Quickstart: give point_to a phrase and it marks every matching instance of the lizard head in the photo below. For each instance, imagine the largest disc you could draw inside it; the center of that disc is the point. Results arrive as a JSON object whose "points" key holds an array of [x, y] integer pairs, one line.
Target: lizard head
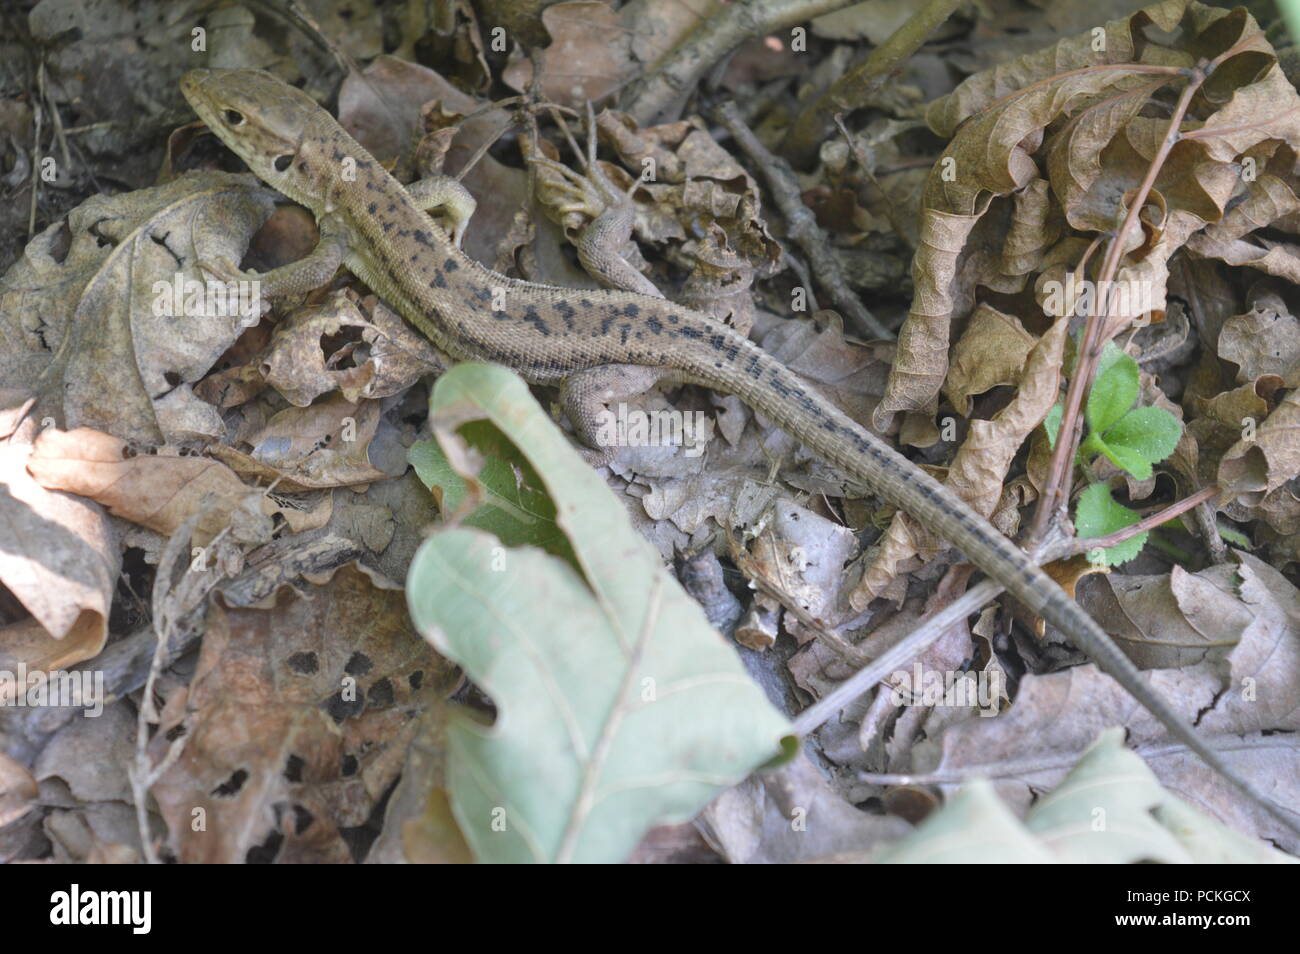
{"points": [[272, 126]]}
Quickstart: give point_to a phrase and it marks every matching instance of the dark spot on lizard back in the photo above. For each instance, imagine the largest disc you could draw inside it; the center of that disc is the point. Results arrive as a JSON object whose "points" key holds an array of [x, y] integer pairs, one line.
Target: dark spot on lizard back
{"points": [[372, 208], [533, 318], [450, 265], [566, 312]]}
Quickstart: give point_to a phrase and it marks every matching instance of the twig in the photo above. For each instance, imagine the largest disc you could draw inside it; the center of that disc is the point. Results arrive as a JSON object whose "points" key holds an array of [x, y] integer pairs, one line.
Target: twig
{"points": [[37, 108], [1087, 544], [802, 226], [901, 653]]}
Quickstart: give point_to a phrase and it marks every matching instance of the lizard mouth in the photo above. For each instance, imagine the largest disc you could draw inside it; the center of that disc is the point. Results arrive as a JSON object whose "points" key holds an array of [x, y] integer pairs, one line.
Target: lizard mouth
{"points": [[191, 85]]}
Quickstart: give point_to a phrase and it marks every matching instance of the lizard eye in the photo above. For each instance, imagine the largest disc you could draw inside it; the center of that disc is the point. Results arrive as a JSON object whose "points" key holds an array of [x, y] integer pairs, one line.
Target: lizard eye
{"points": [[282, 163], [234, 117]]}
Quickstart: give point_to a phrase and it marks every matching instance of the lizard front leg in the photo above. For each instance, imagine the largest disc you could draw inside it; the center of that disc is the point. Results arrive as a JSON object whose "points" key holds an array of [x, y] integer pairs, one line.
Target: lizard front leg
{"points": [[297, 278]]}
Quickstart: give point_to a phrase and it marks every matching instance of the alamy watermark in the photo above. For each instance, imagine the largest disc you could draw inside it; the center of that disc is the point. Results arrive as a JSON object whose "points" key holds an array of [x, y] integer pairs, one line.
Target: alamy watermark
{"points": [[1088, 298], [633, 427], [38, 688], [190, 298], [932, 687]]}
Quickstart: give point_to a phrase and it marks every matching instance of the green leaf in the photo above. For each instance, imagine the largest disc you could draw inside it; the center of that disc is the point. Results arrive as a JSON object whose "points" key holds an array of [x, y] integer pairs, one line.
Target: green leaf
{"points": [[1150, 431], [618, 706], [1097, 515], [1052, 423], [1290, 10], [1110, 809], [1113, 390], [1235, 537], [1127, 459], [515, 505]]}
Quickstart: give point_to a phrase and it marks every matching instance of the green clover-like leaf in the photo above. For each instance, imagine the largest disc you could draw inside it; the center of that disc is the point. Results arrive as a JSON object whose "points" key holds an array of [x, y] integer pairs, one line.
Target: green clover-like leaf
{"points": [[1114, 390], [1097, 514], [1127, 459], [1052, 423], [1151, 432]]}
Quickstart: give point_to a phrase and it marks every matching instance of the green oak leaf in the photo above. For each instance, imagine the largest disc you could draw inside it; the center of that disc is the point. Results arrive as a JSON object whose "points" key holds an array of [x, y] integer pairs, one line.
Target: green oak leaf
{"points": [[515, 506], [617, 706], [1110, 809]]}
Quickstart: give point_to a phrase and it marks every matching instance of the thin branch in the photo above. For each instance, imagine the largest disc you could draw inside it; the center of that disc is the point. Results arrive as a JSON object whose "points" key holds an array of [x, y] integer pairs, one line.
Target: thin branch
{"points": [[901, 653], [1087, 544], [802, 226]]}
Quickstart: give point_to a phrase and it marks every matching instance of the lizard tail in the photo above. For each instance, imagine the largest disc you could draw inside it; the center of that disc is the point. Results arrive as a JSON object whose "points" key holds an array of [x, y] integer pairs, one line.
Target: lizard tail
{"points": [[774, 390]]}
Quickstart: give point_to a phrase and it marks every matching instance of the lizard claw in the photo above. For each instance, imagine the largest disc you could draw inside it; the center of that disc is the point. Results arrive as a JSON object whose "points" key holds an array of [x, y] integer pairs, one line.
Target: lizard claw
{"points": [[222, 269]]}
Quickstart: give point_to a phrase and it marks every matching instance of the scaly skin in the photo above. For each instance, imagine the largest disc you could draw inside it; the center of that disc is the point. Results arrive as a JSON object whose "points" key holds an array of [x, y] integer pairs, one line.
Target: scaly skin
{"points": [[549, 335]]}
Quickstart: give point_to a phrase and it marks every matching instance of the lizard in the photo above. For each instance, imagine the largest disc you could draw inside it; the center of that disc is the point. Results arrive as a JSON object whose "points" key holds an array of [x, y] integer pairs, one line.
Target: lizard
{"points": [[596, 345]]}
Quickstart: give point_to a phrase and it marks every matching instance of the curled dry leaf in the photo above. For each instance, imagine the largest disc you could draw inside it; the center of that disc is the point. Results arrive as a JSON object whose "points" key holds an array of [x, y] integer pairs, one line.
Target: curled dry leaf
{"points": [[1076, 108], [1170, 621], [991, 352], [336, 443], [799, 557], [373, 358], [982, 462], [59, 560], [1268, 459], [1263, 341]]}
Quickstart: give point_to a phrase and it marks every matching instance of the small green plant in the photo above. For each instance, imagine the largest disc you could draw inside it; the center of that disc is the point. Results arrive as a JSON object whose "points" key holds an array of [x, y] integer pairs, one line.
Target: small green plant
{"points": [[1131, 438]]}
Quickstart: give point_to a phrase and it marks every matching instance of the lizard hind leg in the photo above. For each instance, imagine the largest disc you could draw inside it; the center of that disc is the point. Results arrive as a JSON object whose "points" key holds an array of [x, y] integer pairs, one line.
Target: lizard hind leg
{"points": [[590, 399], [448, 195]]}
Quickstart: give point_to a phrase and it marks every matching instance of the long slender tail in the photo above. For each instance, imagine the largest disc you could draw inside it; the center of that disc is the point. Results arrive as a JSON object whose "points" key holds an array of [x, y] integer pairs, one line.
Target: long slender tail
{"points": [[775, 391]]}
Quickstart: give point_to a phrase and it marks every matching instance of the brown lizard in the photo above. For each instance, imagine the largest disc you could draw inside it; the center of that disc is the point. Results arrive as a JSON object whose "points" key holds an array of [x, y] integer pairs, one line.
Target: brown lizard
{"points": [[598, 346]]}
